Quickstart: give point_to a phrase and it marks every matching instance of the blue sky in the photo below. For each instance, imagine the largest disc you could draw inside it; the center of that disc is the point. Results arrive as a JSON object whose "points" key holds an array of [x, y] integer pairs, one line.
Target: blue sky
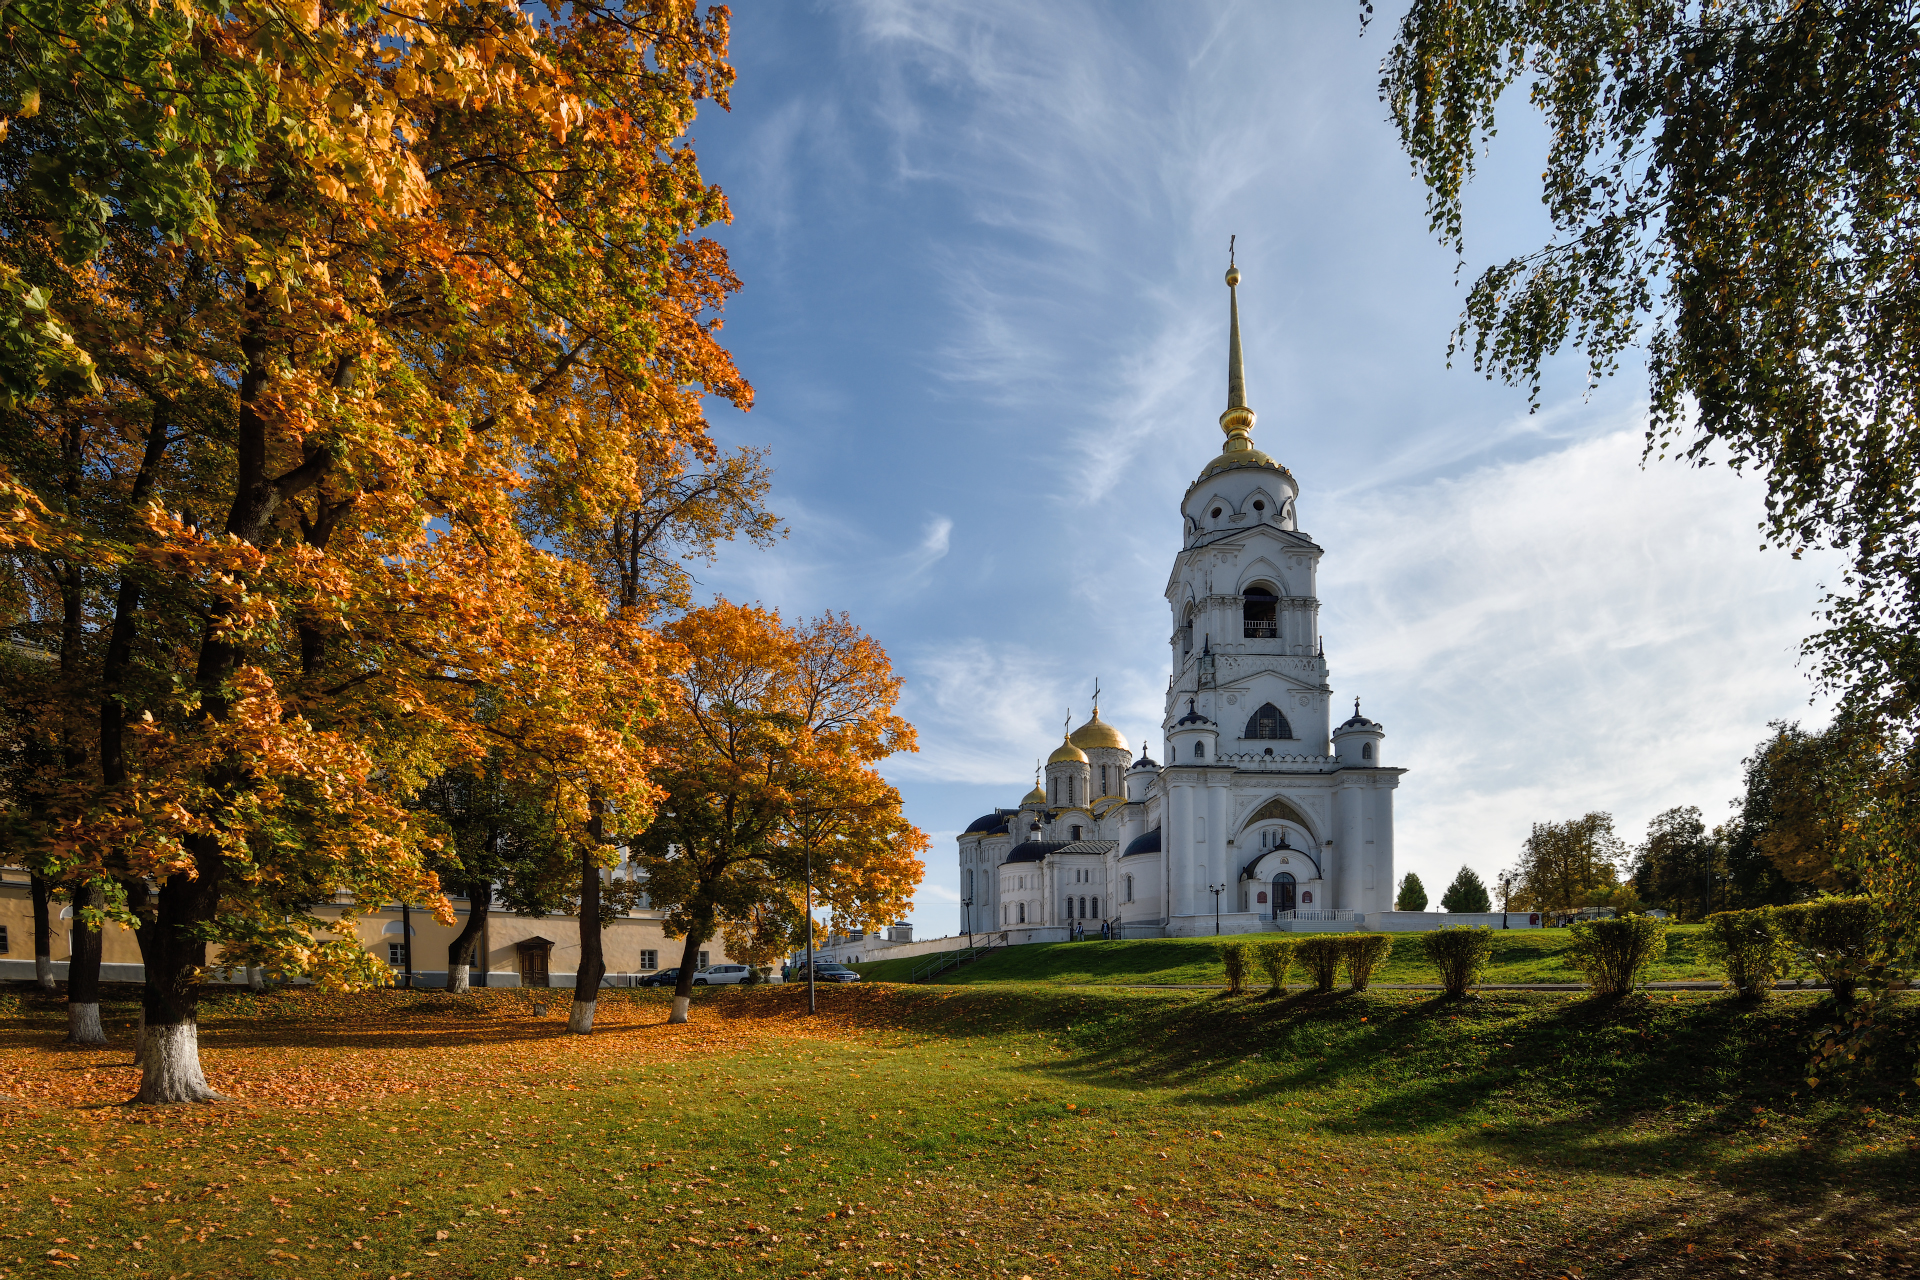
{"points": [[982, 246]]}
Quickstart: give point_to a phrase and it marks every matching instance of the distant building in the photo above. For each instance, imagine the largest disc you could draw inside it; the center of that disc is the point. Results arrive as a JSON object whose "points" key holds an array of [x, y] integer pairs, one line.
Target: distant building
{"points": [[512, 951], [1263, 812]]}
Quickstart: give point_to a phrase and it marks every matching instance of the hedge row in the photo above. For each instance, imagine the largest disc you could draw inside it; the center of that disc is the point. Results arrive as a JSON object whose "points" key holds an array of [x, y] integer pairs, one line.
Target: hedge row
{"points": [[1323, 956], [1835, 937]]}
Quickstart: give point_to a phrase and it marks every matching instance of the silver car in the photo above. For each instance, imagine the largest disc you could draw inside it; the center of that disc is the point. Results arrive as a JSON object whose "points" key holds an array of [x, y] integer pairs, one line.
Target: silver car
{"points": [[715, 975]]}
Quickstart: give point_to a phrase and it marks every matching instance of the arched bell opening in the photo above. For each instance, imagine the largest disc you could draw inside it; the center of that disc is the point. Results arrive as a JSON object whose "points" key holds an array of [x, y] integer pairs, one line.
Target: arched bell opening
{"points": [[1259, 612]]}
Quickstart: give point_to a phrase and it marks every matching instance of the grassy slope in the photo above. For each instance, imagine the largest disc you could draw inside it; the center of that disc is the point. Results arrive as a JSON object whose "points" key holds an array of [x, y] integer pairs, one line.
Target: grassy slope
{"points": [[1528, 955], [1001, 1130]]}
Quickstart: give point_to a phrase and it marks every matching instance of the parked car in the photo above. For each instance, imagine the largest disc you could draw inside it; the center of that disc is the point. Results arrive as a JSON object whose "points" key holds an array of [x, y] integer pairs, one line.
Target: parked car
{"points": [[661, 978], [715, 975], [824, 971]]}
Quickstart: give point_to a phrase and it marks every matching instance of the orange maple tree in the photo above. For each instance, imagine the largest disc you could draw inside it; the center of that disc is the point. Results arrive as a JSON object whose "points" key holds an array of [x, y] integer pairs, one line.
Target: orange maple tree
{"points": [[767, 756], [446, 293]]}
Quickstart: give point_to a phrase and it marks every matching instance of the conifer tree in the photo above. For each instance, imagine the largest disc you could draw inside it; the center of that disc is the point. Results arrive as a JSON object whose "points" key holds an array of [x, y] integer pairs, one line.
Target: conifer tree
{"points": [[1413, 894], [1466, 894]]}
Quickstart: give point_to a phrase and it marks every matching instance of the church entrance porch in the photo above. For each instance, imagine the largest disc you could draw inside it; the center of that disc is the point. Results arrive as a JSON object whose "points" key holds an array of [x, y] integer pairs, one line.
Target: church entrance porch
{"points": [[1283, 893]]}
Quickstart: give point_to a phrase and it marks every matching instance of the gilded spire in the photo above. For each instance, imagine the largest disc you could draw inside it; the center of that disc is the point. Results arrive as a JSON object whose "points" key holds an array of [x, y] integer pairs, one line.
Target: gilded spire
{"points": [[1237, 421]]}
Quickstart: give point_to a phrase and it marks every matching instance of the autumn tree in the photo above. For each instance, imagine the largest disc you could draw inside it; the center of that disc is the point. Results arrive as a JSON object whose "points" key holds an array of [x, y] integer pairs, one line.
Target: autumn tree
{"points": [[767, 760], [354, 298], [1565, 865]]}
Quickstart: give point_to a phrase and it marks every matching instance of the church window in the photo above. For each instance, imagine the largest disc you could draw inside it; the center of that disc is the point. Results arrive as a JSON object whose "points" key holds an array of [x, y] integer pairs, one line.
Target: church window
{"points": [[1069, 788], [1216, 513], [1268, 722], [1083, 908], [1199, 751], [1366, 751], [1023, 913], [1259, 505], [1259, 612], [1076, 833], [1129, 888], [1096, 908]]}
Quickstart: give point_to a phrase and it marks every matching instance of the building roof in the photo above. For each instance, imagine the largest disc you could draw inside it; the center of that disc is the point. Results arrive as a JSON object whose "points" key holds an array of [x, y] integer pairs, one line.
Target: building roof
{"points": [[1148, 843], [1358, 721], [1097, 733], [1066, 751], [990, 823], [1033, 850], [1192, 716]]}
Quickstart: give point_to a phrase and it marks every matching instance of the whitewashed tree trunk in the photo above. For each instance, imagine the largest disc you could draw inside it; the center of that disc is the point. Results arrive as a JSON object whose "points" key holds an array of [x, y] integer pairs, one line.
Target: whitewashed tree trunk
{"points": [[256, 977], [43, 972], [679, 1013], [170, 1067], [457, 978], [580, 1017], [83, 1024]]}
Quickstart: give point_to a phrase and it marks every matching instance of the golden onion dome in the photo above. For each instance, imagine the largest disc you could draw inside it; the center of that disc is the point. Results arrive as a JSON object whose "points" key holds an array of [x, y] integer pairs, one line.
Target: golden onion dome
{"points": [[1098, 733], [1066, 752], [1036, 796]]}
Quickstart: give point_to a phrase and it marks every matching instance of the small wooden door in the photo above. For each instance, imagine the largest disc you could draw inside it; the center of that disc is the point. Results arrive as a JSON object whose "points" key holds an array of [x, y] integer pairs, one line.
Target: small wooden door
{"points": [[533, 967]]}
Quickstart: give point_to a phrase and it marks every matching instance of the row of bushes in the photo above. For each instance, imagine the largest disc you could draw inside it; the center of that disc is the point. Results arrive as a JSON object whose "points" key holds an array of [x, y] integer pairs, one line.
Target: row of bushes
{"points": [[1612, 953], [1835, 937], [1323, 956]]}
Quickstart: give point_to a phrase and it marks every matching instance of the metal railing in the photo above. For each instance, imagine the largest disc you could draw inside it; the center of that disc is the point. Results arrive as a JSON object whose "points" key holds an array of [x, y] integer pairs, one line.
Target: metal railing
{"points": [[1260, 630], [1315, 915], [935, 965]]}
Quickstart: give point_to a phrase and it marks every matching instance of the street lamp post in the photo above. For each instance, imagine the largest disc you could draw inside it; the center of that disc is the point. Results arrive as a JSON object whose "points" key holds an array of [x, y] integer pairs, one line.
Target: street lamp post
{"points": [[1216, 890], [811, 1007], [966, 907], [1505, 883]]}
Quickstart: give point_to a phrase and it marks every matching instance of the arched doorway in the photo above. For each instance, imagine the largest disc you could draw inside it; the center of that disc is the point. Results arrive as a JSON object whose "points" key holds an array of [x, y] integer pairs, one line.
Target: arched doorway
{"points": [[1283, 896]]}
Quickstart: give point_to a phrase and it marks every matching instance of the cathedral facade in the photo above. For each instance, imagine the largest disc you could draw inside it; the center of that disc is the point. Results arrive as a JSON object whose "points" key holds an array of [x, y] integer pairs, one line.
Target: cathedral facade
{"points": [[1265, 815]]}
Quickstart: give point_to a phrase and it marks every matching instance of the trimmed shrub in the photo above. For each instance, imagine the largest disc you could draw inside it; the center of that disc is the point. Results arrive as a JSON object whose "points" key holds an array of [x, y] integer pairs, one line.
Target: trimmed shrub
{"points": [[1320, 956], [1365, 953], [1275, 958], [1835, 937], [1460, 953], [1233, 956], [1750, 949], [1612, 953]]}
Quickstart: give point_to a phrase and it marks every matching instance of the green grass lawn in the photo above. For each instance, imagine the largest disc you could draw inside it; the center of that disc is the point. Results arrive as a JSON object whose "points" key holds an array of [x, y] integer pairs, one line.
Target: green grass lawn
{"points": [[1011, 1130], [1525, 955]]}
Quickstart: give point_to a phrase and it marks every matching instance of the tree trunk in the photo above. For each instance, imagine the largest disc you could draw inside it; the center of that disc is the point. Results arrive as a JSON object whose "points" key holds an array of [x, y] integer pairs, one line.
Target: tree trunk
{"points": [[83, 974], [170, 1047], [683, 986], [256, 977], [42, 933], [593, 964], [460, 950]]}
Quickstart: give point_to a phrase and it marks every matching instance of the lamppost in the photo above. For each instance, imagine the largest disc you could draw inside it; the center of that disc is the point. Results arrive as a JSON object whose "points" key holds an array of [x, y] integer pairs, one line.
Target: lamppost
{"points": [[1216, 890], [811, 1007], [966, 906], [406, 940], [1505, 883]]}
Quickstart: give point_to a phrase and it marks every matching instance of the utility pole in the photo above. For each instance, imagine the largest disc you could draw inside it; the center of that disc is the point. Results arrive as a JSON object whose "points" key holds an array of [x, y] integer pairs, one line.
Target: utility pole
{"points": [[1216, 890]]}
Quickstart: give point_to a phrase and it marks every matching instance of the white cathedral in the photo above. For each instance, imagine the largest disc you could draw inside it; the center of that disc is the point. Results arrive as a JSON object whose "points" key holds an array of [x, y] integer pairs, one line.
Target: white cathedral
{"points": [[1263, 816]]}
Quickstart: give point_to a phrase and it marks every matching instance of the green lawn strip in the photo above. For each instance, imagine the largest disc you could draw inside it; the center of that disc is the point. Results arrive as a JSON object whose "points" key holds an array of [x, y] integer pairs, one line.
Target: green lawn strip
{"points": [[1031, 1131], [1525, 955]]}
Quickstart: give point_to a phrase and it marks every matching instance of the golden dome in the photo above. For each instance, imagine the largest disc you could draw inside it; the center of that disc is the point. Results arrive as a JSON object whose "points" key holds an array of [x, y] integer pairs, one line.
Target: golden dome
{"points": [[1098, 733], [1036, 796], [1066, 752]]}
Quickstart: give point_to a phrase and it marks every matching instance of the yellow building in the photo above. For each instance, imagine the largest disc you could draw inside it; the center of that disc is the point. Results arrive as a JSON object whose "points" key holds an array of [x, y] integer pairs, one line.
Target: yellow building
{"points": [[518, 950]]}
